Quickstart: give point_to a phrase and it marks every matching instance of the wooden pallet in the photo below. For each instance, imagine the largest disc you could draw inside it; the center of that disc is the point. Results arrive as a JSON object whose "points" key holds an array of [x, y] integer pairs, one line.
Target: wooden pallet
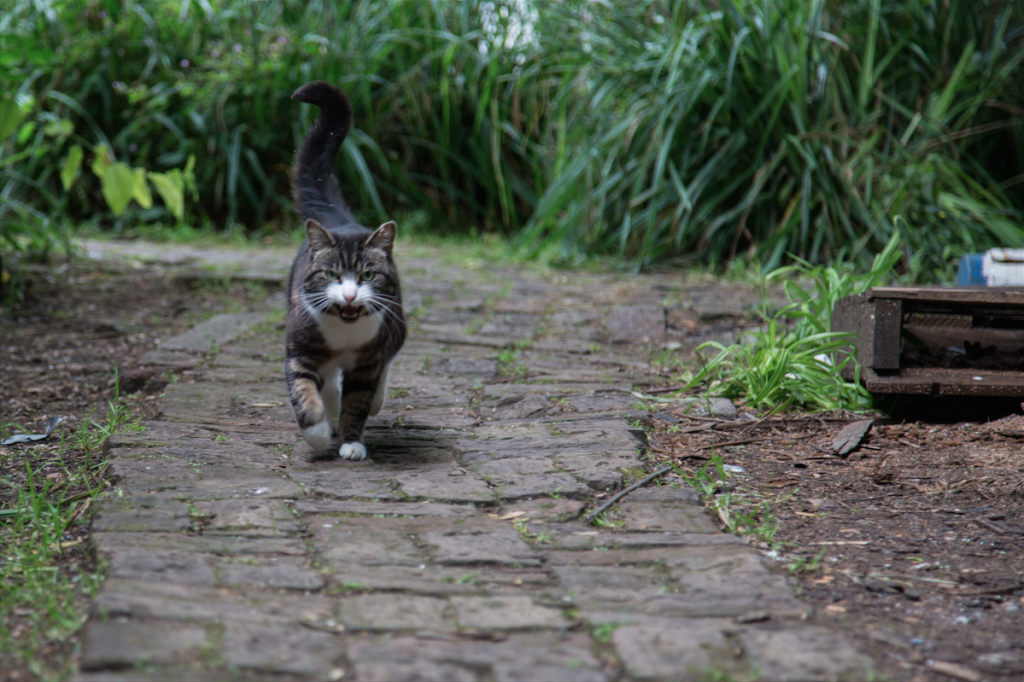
{"points": [[885, 320]]}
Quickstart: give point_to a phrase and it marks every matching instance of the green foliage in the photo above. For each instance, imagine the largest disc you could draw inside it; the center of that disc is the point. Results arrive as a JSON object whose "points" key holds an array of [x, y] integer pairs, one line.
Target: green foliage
{"points": [[791, 362], [650, 131], [710, 129], [458, 106]]}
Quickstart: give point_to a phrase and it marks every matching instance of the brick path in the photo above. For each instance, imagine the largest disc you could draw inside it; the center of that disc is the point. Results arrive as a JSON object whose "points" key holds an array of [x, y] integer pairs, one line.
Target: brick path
{"points": [[456, 552]]}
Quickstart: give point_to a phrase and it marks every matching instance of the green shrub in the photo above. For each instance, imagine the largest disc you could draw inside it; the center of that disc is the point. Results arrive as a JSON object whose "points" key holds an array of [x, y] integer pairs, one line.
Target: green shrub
{"points": [[710, 129], [650, 131], [793, 360]]}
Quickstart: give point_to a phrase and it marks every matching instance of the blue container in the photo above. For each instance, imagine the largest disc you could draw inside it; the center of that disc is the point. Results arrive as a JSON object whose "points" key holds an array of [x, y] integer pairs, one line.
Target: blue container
{"points": [[969, 271]]}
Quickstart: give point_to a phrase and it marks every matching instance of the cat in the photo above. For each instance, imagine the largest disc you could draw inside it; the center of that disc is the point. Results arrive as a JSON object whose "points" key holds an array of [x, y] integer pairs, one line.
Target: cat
{"points": [[345, 320]]}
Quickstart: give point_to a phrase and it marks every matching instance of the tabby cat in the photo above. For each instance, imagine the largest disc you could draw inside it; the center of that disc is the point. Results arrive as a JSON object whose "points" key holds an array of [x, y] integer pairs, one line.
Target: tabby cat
{"points": [[345, 321]]}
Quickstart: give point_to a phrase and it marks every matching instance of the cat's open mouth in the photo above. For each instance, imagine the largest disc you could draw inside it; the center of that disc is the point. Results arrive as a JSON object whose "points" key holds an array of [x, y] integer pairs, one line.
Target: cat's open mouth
{"points": [[350, 313]]}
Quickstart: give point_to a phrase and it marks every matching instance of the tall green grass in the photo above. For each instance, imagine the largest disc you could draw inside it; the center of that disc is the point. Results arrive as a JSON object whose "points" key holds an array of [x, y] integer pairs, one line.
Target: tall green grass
{"points": [[650, 131], [710, 129], [439, 125]]}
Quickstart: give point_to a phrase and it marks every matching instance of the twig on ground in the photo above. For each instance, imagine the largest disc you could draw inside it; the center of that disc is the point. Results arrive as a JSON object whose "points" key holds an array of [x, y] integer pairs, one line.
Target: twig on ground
{"points": [[728, 443], [992, 590], [994, 527], [677, 454], [619, 495]]}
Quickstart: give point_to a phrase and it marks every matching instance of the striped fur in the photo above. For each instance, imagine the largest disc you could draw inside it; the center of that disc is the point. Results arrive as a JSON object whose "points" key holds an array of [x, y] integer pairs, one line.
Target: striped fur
{"points": [[345, 320]]}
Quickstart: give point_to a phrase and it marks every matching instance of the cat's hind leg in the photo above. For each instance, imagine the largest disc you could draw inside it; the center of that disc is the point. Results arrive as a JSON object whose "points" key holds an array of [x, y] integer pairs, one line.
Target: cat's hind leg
{"points": [[382, 391]]}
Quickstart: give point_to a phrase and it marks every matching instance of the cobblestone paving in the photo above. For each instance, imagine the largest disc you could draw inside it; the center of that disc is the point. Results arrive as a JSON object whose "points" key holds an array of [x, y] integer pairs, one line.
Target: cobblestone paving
{"points": [[456, 551]]}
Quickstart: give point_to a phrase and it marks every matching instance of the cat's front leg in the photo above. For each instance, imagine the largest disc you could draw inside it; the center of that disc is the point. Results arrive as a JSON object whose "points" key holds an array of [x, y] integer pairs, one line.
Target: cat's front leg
{"points": [[358, 389], [331, 395], [304, 386]]}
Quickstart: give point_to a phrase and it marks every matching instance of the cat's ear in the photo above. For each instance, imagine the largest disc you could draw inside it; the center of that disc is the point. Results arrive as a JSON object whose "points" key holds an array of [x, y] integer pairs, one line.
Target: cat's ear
{"points": [[384, 237], [319, 238]]}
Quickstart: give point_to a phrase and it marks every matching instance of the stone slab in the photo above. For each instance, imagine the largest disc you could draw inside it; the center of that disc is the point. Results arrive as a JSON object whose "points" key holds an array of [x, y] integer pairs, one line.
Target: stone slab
{"points": [[271, 518], [636, 324], [396, 612], [292, 650], [349, 483], [215, 332], [539, 485], [173, 567], [505, 613], [520, 658], [124, 644], [271, 573], [143, 516], [683, 650], [341, 544], [638, 516], [503, 546], [448, 485], [384, 508]]}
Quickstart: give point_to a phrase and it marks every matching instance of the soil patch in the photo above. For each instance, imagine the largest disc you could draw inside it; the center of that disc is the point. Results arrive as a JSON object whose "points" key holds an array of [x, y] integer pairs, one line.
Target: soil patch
{"points": [[912, 542]]}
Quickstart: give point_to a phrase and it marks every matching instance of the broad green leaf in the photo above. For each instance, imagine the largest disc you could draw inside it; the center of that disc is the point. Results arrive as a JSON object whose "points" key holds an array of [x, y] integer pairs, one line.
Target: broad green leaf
{"points": [[61, 128], [26, 132], [70, 168], [11, 115], [101, 161], [140, 192], [190, 177], [118, 186], [171, 189]]}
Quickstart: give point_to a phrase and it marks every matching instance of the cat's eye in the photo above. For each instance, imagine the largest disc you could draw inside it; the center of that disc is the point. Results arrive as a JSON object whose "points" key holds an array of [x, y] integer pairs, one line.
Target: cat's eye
{"points": [[367, 276], [331, 274]]}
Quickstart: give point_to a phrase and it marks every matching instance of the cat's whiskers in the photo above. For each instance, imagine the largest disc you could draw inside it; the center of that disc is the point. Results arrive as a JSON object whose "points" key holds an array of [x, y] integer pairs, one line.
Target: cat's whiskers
{"points": [[317, 302]]}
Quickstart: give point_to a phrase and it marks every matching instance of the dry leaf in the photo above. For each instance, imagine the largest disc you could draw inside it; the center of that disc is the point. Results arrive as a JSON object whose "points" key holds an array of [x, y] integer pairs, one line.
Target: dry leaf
{"points": [[511, 515], [850, 437]]}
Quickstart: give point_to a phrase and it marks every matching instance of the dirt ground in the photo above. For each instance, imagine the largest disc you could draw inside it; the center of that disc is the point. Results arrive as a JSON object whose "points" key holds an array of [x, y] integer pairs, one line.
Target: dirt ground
{"points": [[914, 542]]}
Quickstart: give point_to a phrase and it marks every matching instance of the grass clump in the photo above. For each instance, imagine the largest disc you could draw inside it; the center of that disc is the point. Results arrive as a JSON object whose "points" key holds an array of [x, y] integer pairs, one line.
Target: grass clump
{"points": [[46, 577], [757, 521], [794, 361]]}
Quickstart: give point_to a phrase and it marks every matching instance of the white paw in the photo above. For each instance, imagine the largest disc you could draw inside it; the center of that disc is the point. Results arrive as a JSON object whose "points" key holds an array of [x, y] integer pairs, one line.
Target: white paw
{"points": [[318, 436], [352, 451]]}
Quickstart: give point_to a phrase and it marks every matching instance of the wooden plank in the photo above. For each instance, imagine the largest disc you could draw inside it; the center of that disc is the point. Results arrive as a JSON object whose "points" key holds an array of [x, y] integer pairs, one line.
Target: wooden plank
{"points": [[1006, 340], [938, 381], [994, 296], [852, 315], [885, 343]]}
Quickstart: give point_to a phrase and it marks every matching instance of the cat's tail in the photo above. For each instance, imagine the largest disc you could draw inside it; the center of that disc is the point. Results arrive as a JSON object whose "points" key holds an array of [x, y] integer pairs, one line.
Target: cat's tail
{"points": [[314, 188]]}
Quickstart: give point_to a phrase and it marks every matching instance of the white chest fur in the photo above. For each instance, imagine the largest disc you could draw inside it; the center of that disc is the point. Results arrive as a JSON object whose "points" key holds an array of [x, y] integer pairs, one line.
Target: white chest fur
{"points": [[348, 336]]}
